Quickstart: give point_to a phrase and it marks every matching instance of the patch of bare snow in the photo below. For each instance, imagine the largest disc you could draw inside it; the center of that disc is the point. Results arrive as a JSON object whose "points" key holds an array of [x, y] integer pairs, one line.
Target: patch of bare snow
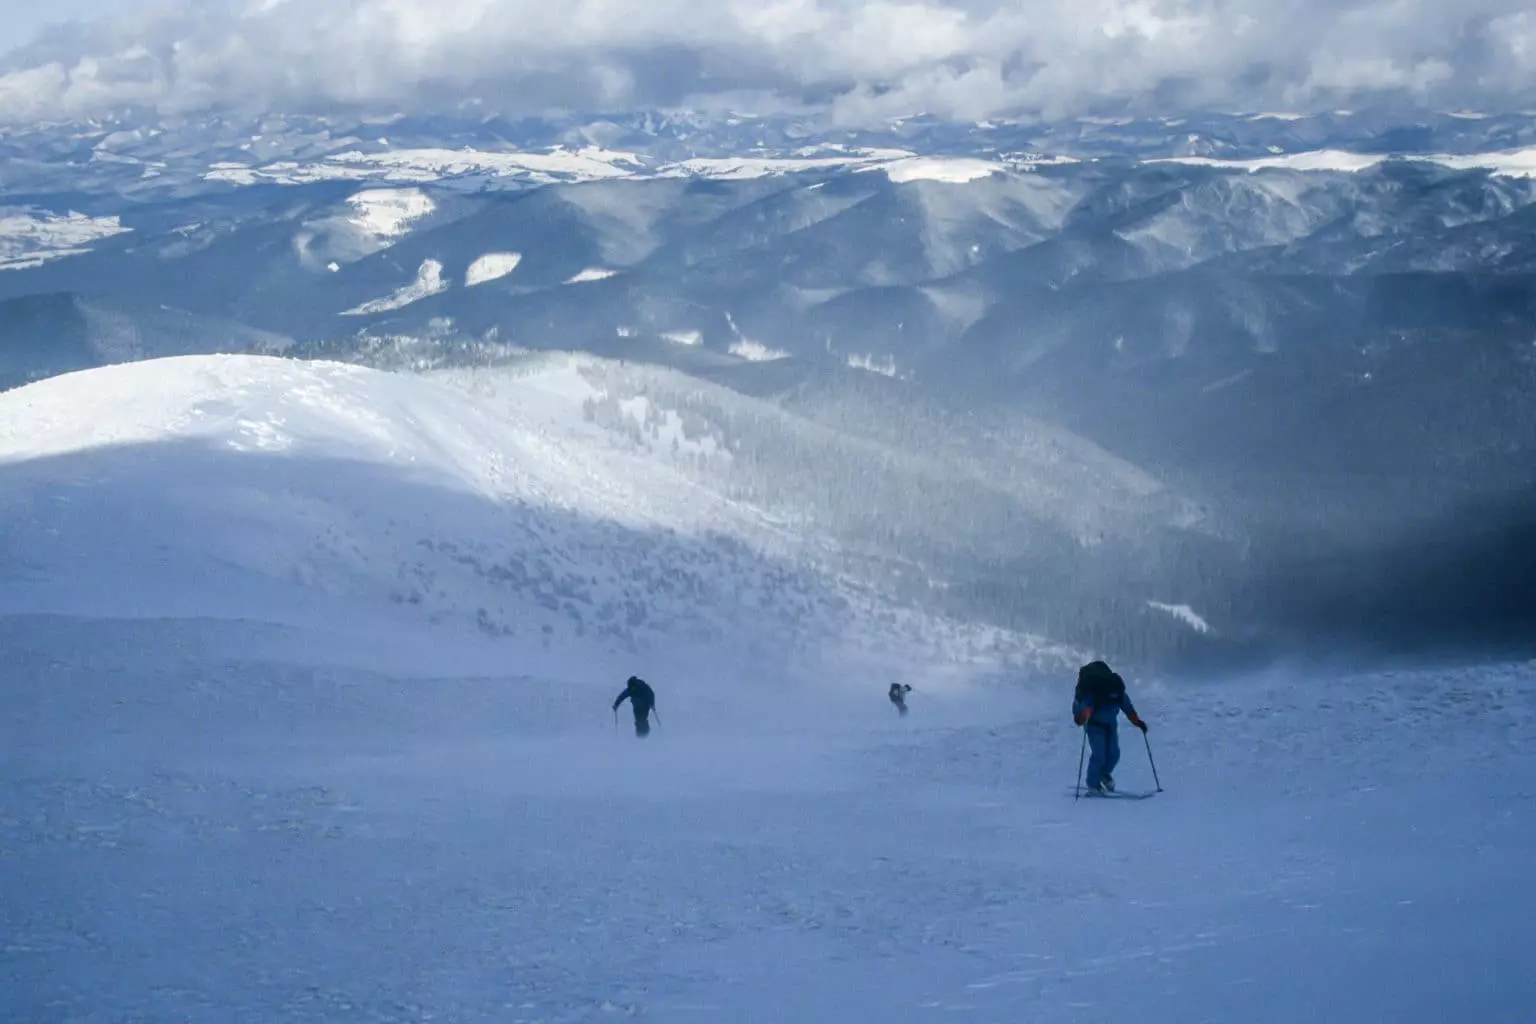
{"points": [[491, 266], [591, 274], [429, 281], [30, 237], [953, 170], [389, 212], [756, 351]]}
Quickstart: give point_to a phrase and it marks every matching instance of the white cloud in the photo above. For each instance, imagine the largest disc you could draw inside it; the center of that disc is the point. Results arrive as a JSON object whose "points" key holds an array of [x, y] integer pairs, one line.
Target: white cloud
{"points": [[873, 58]]}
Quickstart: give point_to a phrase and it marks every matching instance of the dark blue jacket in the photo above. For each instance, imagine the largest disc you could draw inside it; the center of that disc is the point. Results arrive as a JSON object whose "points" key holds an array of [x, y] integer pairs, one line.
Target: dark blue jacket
{"points": [[1103, 710], [1100, 696], [640, 694]]}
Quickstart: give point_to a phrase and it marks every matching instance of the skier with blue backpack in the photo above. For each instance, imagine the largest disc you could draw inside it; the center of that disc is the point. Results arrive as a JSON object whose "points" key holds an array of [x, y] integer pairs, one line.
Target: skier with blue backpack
{"points": [[1099, 699]]}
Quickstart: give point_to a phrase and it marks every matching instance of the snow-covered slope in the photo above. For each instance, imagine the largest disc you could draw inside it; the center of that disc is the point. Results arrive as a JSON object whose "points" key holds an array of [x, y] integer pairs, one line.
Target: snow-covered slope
{"points": [[278, 489], [223, 821]]}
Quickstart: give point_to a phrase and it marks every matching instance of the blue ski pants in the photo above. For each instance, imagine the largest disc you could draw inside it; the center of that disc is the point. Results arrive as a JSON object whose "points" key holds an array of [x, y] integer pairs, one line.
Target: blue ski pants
{"points": [[1104, 742]]}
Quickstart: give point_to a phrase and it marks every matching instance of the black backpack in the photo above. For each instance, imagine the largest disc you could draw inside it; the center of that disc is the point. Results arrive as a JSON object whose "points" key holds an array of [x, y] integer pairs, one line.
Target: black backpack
{"points": [[1098, 684]]}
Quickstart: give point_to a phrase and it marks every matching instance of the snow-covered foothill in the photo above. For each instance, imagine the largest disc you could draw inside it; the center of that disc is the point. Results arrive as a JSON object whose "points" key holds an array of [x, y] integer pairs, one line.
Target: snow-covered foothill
{"points": [[491, 501]]}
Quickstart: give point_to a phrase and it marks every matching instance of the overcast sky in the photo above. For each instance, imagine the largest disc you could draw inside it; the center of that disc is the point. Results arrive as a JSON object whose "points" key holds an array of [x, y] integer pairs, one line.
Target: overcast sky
{"points": [[868, 59]]}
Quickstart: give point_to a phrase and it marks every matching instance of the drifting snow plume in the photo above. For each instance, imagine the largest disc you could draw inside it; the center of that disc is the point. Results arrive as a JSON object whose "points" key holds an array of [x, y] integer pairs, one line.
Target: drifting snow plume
{"points": [[883, 365], [429, 281], [1184, 613], [491, 266]]}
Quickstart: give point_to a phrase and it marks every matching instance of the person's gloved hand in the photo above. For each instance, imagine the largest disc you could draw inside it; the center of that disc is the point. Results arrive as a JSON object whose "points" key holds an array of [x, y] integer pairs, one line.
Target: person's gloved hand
{"points": [[1138, 723], [1083, 715]]}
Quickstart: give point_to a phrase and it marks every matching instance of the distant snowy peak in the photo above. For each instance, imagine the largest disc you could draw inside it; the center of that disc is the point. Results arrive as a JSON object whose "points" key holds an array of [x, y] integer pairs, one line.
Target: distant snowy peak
{"points": [[481, 167], [1515, 163], [556, 164]]}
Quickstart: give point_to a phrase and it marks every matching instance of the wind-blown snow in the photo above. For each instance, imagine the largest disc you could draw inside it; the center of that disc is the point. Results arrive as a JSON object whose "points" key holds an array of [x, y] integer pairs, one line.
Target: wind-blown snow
{"points": [[30, 237], [1184, 613], [306, 825], [883, 365], [307, 718], [429, 281], [491, 266], [495, 500]]}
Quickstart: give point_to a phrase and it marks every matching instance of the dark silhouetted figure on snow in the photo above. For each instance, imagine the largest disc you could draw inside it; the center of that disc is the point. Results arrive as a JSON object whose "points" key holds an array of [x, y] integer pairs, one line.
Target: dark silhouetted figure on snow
{"points": [[1096, 706], [642, 700], [898, 694]]}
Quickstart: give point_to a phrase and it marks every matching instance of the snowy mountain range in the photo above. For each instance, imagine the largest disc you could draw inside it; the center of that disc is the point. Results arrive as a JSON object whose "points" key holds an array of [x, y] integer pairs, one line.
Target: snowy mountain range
{"points": [[1172, 388]]}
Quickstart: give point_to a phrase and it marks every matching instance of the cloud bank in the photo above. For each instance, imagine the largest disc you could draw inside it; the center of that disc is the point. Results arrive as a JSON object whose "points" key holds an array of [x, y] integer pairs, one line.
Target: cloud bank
{"points": [[864, 59]]}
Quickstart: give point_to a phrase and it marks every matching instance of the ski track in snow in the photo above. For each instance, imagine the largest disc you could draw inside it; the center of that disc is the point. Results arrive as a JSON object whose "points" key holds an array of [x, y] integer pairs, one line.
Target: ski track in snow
{"points": [[203, 822]]}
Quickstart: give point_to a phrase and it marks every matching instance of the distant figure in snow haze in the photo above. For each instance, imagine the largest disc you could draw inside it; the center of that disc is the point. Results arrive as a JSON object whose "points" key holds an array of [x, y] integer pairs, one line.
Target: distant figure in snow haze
{"points": [[1096, 705], [642, 700], [898, 695]]}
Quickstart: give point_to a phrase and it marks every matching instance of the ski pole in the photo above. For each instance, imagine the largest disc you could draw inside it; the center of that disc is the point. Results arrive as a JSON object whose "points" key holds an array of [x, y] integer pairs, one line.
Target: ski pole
{"points": [[1150, 761], [1081, 751], [658, 717]]}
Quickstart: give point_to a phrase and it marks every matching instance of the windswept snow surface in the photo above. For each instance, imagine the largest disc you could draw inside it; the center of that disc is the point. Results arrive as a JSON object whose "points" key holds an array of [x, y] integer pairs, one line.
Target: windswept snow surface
{"points": [[214, 821], [241, 783], [491, 502]]}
